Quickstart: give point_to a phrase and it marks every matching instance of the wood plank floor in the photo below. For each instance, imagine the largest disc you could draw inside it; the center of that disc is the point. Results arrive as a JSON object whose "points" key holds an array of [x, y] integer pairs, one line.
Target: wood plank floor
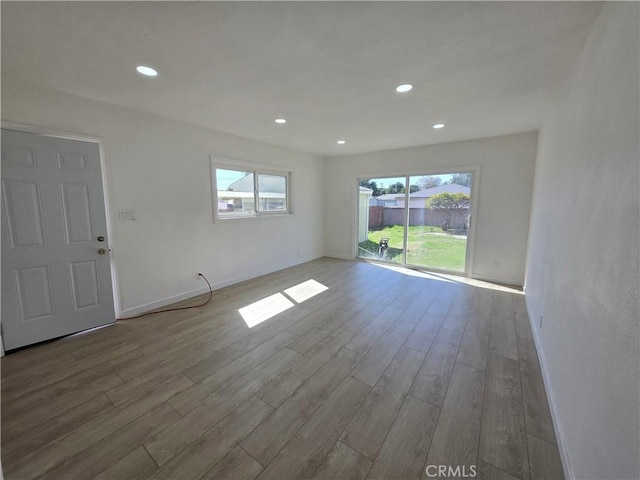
{"points": [[362, 371]]}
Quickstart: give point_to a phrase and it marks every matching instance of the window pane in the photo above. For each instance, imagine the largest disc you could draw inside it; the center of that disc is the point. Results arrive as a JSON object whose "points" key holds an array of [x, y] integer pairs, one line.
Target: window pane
{"points": [[439, 220], [272, 193], [381, 218], [235, 193]]}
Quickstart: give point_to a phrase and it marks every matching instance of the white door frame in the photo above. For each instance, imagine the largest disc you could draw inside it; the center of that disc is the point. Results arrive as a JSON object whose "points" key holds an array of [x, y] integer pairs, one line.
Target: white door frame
{"points": [[47, 132], [438, 170]]}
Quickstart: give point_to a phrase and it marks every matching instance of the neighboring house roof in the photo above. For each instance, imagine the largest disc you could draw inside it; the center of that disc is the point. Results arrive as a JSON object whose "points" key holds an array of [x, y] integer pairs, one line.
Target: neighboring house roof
{"points": [[385, 200], [229, 194], [268, 183], [450, 188], [245, 184], [390, 196]]}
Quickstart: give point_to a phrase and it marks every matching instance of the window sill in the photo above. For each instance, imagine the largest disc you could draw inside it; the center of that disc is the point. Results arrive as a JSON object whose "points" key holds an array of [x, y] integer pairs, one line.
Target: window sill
{"points": [[252, 217]]}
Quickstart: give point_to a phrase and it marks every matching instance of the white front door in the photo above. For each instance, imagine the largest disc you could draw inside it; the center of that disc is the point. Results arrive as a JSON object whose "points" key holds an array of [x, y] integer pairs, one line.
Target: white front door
{"points": [[56, 273]]}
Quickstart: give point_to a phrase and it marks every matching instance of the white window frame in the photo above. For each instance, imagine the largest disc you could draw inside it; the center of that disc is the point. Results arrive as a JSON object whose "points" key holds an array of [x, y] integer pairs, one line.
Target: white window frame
{"points": [[256, 170]]}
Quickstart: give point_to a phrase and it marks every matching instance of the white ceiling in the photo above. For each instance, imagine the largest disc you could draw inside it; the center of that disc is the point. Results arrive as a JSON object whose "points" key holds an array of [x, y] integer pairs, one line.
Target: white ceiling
{"points": [[329, 68]]}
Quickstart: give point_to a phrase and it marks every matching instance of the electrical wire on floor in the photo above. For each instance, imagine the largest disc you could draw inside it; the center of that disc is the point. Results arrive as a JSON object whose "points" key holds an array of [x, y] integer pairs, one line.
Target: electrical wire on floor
{"points": [[177, 308]]}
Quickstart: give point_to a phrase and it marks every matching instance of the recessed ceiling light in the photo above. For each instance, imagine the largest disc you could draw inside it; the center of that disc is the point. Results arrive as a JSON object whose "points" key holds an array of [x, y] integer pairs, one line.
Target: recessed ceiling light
{"points": [[341, 142], [438, 125], [404, 88], [147, 71], [281, 121]]}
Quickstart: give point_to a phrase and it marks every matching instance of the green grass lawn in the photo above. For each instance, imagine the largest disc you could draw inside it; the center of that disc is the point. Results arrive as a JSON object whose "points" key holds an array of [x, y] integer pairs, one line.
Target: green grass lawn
{"points": [[428, 247]]}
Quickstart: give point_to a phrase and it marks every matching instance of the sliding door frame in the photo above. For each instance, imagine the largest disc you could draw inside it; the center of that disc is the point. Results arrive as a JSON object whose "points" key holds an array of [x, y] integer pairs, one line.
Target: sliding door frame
{"points": [[473, 209]]}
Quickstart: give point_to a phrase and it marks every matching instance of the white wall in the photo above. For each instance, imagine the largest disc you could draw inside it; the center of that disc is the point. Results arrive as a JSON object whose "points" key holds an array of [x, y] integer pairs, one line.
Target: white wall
{"points": [[161, 169], [504, 197], [582, 266]]}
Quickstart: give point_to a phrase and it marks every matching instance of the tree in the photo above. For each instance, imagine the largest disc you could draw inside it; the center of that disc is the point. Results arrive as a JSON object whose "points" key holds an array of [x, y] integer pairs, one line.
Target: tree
{"points": [[397, 187], [461, 179], [368, 183], [429, 181], [413, 188], [449, 201]]}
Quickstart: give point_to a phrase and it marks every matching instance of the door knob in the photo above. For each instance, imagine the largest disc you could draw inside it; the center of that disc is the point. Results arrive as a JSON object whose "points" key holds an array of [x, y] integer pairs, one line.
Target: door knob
{"points": [[102, 251]]}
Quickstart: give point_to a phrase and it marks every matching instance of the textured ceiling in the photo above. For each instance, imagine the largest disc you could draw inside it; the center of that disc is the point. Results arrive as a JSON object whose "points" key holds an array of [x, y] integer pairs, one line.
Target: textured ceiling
{"points": [[329, 68]]}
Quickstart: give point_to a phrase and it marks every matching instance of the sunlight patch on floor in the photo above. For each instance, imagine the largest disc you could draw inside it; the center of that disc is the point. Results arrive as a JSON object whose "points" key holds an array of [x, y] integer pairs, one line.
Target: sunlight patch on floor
{"points": [[269, 307], [305, 290], [264, 309], [450, 278], [413, 273]]}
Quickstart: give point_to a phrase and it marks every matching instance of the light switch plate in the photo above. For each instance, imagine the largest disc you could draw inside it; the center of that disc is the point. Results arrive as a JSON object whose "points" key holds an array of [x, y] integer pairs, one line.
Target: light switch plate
{"points": [[127, 214]]}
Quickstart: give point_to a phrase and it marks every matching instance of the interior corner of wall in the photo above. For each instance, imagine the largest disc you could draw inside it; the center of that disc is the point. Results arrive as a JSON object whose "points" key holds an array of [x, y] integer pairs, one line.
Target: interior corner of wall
{"points": [[339, 256]]}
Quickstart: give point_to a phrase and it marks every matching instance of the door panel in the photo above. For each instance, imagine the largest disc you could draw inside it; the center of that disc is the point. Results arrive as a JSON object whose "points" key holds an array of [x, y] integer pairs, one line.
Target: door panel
{"points": [[24, 214], [84, 284], [18, 157], [34, 292], [437, 238], [76, 209], [54, 282], [72, 161], [381, 229]]}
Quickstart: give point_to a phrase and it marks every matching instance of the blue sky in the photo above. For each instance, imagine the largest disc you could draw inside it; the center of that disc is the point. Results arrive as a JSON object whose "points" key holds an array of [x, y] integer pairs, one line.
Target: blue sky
{"points": [[386, 181], [224, 178]]}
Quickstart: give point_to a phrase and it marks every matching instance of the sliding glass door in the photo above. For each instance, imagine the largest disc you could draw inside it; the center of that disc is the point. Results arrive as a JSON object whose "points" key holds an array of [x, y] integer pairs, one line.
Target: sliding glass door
{"points": [[417, 220], [381, 222]]}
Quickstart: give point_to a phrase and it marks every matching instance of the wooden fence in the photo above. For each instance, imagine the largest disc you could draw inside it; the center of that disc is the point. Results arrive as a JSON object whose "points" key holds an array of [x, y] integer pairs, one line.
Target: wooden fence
{"points": [[388, 216]]}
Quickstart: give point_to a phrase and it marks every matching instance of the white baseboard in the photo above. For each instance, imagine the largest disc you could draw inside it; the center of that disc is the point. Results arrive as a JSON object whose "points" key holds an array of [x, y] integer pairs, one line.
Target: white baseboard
{"points": [[145, 307], [494, 279], [265, 271], [162, 302], [338, 256], [553, 406]]}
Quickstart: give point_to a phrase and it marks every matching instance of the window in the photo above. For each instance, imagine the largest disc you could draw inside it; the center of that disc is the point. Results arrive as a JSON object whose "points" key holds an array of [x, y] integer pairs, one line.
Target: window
{"points": [[272, 193], [244, 192]]}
